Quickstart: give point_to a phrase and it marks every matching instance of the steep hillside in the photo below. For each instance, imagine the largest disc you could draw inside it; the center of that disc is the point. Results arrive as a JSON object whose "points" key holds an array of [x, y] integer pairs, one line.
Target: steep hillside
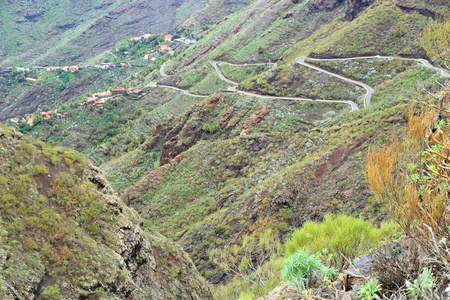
{"points": [[19, 96], [229, 167], [64, 235], [283, 31], [68, 32], [222, 182], [120, 127]]}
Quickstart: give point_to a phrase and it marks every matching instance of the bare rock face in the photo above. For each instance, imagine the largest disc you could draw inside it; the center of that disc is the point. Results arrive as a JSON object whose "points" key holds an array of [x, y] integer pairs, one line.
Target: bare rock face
{"points": [[427, 8], [352, 7], [282, 291], [357, 6], [65, 235]]}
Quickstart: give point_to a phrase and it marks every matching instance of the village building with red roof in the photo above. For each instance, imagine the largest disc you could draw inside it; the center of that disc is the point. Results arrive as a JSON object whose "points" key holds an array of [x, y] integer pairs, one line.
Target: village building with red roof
{"points": [[74, 68], [46, 114], [117, 91], [30, 120]]}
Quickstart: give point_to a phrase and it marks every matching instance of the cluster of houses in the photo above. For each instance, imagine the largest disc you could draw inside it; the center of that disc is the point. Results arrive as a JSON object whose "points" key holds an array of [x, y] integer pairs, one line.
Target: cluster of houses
{"points": [[98, 99], [45, 114], [168, 37], [88, 101], [71, 69], [163, 48], [27, 119]]}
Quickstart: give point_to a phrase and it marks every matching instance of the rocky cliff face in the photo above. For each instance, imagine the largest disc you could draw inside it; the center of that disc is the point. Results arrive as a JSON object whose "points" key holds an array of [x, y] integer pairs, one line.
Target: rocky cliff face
{"points": [[63, 234]]}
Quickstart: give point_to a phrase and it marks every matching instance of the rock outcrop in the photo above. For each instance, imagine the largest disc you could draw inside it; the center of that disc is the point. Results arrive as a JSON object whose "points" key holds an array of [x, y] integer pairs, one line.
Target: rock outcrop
{"points": [[65, 235]]}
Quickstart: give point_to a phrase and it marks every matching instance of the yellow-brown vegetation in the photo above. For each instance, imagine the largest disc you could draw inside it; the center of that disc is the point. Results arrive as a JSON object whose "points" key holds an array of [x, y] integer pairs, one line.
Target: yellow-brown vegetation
{"points": [[410, 177]]}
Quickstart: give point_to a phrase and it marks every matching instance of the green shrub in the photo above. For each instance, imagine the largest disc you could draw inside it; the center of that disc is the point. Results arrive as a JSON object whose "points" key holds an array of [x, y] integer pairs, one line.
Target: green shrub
{"points": [[174, 271], [342, 235], [40, 169], [369, 290], [56, 160], [422, 287], [100, 293], [52, 292], [252, 285], [211, 128], [304, 270], [123, 275]]}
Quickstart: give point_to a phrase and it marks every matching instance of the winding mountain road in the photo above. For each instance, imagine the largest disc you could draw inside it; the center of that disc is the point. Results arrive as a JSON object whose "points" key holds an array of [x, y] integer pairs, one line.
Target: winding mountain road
{"points": [[369, 90], [213, 63], [162, 70], [301, 61], [220, 74], [425, 62], [247, 65]]}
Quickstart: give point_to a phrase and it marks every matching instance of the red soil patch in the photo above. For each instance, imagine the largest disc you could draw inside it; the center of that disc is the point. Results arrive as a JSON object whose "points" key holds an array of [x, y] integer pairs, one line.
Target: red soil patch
{"points": [[338, 153], [226, 116], [215, 99], [320, 172]]}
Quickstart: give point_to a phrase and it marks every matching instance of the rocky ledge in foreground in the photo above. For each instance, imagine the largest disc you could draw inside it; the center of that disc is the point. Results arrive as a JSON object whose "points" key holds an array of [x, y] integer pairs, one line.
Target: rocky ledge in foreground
{"points": [[64, 235]]}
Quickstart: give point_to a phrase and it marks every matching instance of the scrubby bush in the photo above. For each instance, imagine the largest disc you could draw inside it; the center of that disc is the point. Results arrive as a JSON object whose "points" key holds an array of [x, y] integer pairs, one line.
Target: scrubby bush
{"points": [[52, 292], [211, 128], [344, 236], [40, 169], [395, 266], [123, 275], [305, 270]]}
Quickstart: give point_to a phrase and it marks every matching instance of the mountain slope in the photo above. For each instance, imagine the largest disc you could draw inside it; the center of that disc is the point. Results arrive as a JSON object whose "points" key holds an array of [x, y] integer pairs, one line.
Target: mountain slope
{"points": [[63, 232], [235, 168], [221, 184], [68, 32]]}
